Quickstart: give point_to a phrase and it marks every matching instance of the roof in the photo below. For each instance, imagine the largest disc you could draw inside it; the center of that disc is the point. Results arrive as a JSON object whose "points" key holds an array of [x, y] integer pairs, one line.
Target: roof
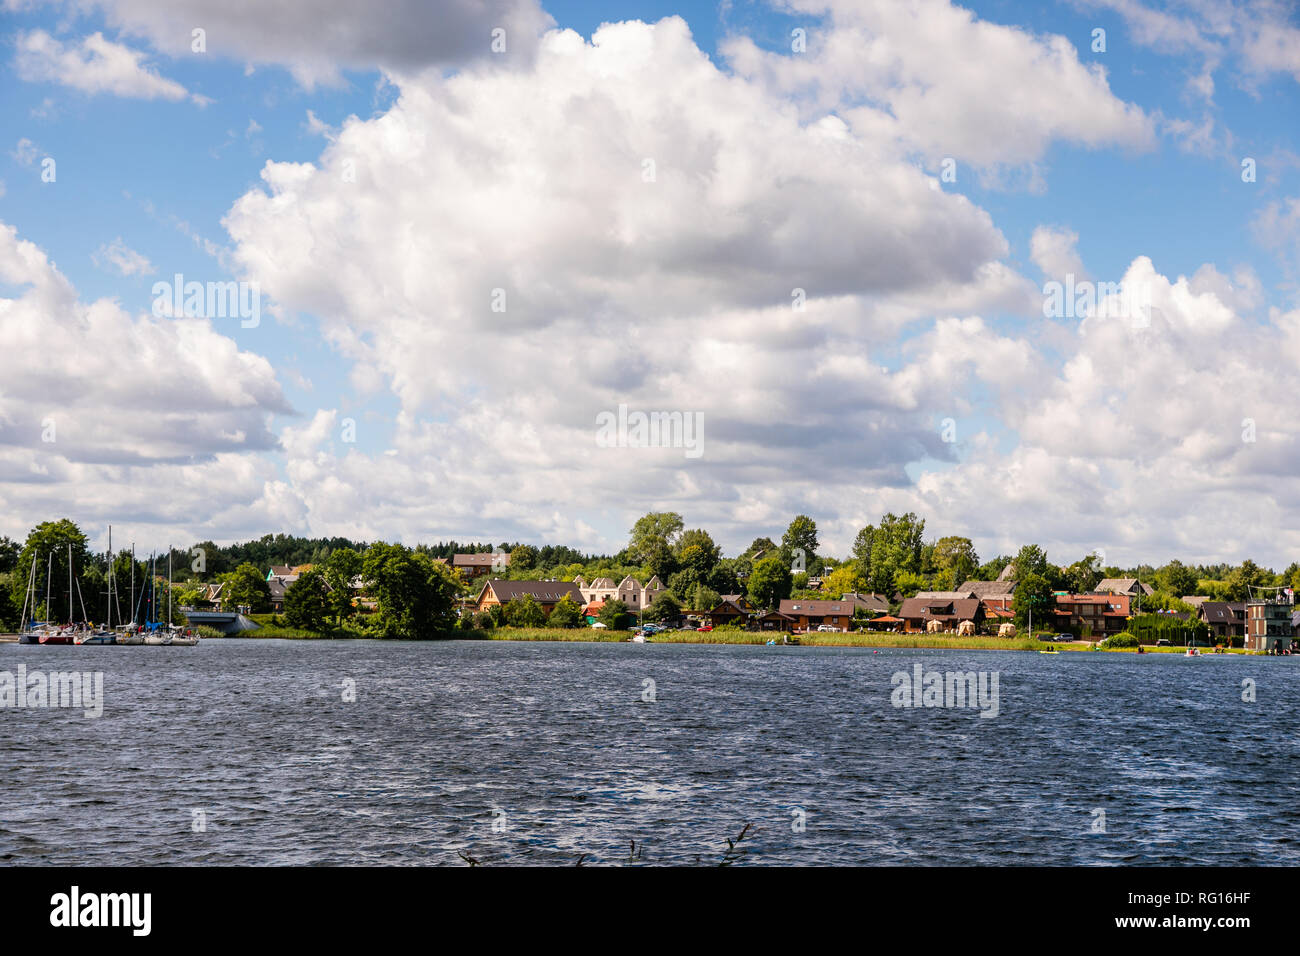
{"points": [[801, 606], [922, 608], [1195, 600], [872, 602], [725, 605], [544, 591], [946, 595], [602, 584], [1220, 612], [279, 571], [483, 559], [1123, 585], [1008, 572], [983, 589]]}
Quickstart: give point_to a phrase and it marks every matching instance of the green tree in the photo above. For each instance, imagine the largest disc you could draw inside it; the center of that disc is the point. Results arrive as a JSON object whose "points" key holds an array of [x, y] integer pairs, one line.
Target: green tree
{"points": [[341, 568], [525, 612], [1176, 579], [1242, 579], [615, 614], [1031, 559], [415, 595], [654, 532], [523, 558], [1083, 575], [306, 602], [566, 613], [770, 582], [895, 547], [9, 551], [246, 585], [663, 608], [50, 538], [799, 543], [957, 556], [1034, 591]]}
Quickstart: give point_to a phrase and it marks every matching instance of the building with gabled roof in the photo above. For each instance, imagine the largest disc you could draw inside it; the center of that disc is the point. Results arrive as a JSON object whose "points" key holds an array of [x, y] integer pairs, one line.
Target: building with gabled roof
{"points": [[546, 593]]}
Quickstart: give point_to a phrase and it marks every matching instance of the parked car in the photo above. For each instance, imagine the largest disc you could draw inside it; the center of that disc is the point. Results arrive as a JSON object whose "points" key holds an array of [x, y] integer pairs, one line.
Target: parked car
{"points": [[598, 625], [705, 627], [827, 627], [1163, 642]]}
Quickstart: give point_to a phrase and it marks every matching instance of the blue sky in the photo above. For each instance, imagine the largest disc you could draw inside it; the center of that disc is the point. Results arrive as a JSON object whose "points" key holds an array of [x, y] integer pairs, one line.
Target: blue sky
{"points": [[154, 154]]}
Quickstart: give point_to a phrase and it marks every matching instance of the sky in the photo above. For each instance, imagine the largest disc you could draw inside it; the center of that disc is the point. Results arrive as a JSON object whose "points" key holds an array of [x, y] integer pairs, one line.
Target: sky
{"points": [[1030, 270]]}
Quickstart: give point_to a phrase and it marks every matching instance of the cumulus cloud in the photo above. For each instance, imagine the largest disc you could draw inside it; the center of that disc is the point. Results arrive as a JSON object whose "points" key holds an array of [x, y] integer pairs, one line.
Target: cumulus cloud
{"points": [[315, 39], [95, 65], [89, 384], [1053, 251], [937, 79], [688, 244]]}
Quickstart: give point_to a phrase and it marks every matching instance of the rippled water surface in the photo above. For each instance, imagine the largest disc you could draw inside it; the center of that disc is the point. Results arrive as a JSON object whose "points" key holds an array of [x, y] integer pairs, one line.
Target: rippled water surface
{"points": [[535, 753]]}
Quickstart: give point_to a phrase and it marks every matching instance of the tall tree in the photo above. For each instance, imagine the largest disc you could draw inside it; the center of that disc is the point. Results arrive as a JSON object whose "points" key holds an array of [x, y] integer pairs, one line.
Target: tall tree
{"points": [[895, 547], [1034, 591], [770, 582], [306, 602], [956, 555], [799, 543], [50, 538]]}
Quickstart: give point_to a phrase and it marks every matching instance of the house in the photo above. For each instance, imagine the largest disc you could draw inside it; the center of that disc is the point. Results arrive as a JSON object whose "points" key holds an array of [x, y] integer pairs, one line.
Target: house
{"points": [[279, 571], [917, 613], [485, 562], [601, 589], [740, 600], [1130, 586], [546, 593], [1093, 615], [773, 621], [728, 612], [1268, 624], [279, 585], [947, 595], [868, 603], [1226, 619], [1195, 600], [808, 615], [636, 596]]}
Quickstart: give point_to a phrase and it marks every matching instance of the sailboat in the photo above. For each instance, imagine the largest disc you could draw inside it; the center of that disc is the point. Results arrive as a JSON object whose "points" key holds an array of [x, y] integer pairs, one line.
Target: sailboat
{"points": [[52, 634], [31, 631], [167, 634], [104, 633], [130, 633]]}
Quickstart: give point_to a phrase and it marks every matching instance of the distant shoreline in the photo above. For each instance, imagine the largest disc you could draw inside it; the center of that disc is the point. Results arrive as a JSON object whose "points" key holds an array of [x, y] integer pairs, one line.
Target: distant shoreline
{"points": [[748, 638]]}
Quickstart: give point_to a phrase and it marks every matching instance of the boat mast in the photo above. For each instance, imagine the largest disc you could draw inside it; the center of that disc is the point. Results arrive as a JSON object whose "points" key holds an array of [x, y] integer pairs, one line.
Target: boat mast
{"points": [[169, 585], [49, 573], [109, 626], [69, 583], [134, 610]]}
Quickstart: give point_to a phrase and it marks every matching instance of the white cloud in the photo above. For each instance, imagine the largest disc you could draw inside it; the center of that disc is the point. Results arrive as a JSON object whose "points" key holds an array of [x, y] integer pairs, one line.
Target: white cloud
{"points": [[938, 80], [122, 258], [122, 390], [25, 152], [1053, 250], [95, 65]]}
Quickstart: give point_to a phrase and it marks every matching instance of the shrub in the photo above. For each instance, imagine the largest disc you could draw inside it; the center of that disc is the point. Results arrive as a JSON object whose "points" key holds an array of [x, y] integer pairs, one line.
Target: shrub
{"points": [[1121, 640]]}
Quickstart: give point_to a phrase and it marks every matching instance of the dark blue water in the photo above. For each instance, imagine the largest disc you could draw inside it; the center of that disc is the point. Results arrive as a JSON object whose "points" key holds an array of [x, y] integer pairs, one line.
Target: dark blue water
{"points": [[534, 753]]}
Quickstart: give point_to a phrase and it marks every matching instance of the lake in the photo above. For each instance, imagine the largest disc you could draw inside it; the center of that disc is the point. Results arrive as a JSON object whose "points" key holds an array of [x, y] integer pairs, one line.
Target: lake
{"points": [[247, 752]]}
